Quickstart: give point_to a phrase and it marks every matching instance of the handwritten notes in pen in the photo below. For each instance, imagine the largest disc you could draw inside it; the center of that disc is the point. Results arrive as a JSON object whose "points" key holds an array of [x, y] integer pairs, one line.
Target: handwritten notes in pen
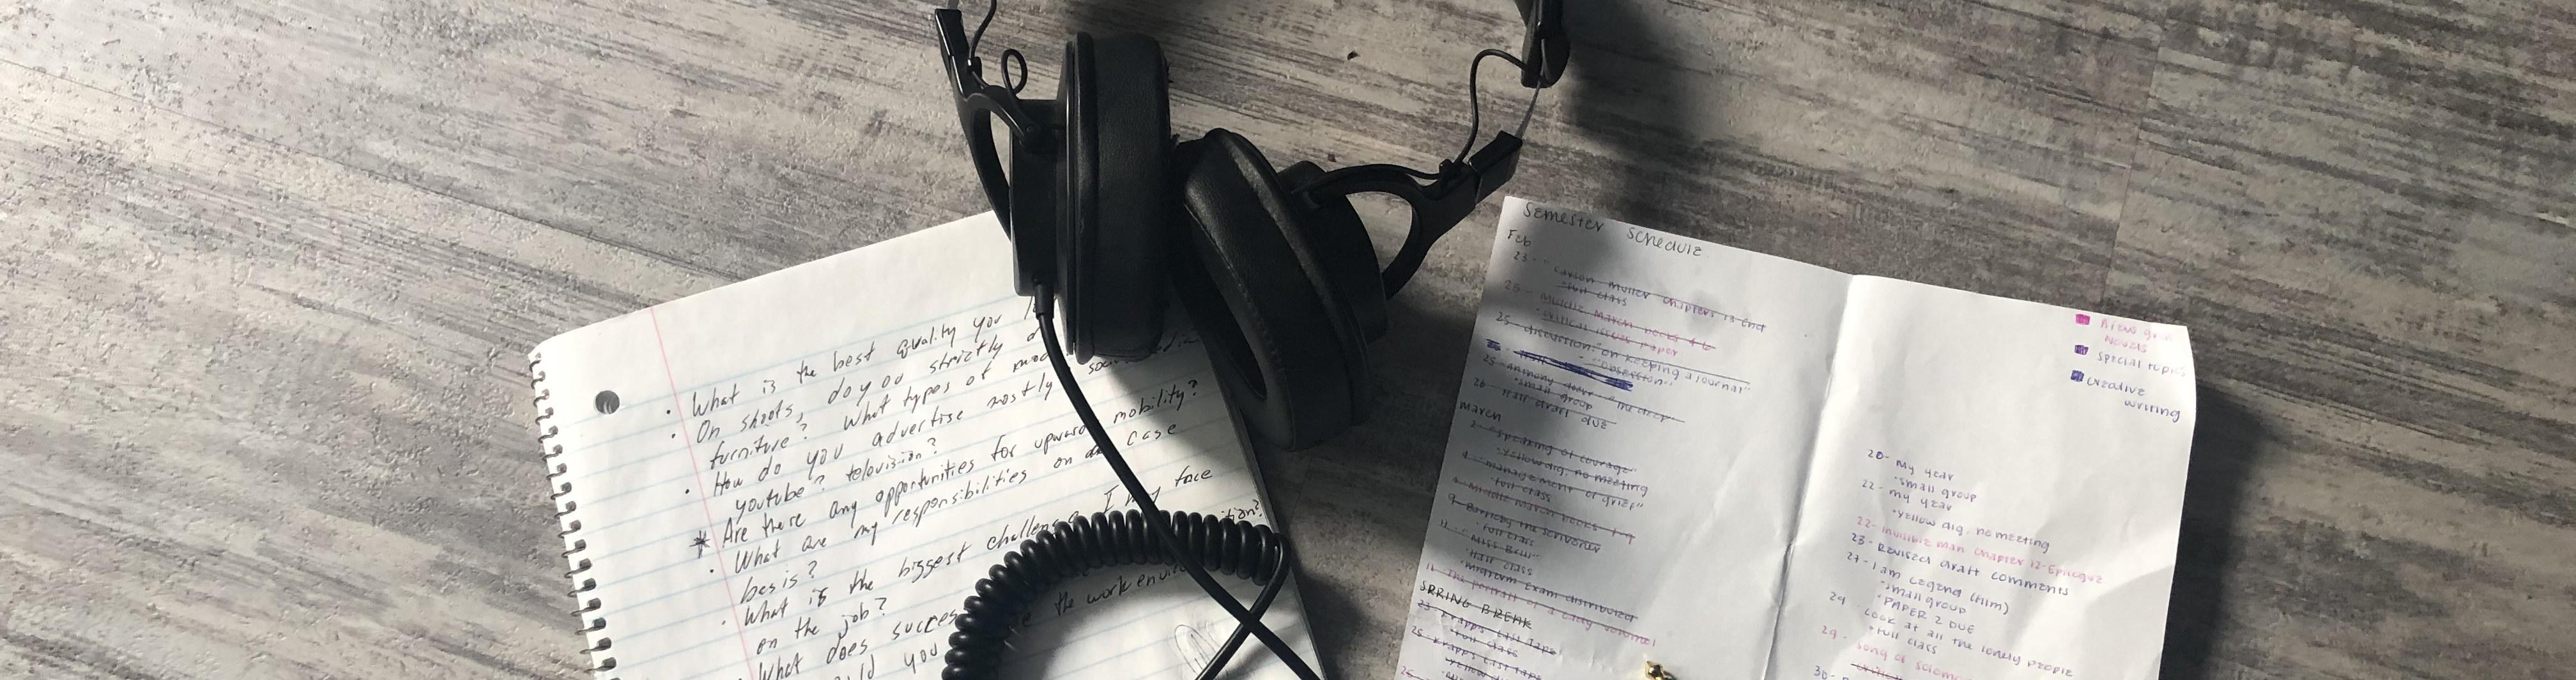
{"points": [[813, 468], [1744, 466]]}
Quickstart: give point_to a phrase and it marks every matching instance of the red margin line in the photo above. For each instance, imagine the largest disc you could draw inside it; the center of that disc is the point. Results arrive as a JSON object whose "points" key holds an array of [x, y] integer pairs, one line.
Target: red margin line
{"points": [[699, 478]]}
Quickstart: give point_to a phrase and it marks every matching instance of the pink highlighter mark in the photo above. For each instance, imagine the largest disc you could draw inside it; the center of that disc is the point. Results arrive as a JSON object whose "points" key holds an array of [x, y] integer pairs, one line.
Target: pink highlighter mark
{"points": [[2083, 319]]}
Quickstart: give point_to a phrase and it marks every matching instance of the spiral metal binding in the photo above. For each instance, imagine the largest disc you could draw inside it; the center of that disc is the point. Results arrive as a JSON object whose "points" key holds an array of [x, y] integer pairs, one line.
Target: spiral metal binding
{"points": [[594, 627], [1071, 549]]}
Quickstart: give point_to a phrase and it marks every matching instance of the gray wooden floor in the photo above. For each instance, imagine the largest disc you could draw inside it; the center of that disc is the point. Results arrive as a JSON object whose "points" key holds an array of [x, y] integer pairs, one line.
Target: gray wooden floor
{"points": [[267, 270]]}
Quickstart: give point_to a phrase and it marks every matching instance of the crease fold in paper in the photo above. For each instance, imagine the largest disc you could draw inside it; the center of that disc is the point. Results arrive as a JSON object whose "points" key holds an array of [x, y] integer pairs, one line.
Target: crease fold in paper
{"points": [[1852, 476]]}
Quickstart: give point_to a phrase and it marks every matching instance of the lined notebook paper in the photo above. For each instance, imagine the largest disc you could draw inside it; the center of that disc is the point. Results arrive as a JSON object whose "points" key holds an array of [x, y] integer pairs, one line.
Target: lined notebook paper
{"points": [[803, 475], [1739, 466]]}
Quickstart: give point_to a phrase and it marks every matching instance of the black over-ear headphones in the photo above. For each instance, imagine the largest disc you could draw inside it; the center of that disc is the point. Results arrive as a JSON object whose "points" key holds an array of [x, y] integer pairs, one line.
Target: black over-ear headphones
{"points": [[1105, 212]]}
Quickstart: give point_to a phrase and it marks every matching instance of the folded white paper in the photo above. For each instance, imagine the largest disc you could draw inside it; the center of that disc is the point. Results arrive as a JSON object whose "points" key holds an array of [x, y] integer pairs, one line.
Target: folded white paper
{"points": [[1740, 466]]}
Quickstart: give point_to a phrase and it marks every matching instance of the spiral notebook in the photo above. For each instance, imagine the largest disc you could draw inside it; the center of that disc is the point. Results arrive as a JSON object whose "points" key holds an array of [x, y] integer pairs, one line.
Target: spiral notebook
{"points": [[804, 474]]}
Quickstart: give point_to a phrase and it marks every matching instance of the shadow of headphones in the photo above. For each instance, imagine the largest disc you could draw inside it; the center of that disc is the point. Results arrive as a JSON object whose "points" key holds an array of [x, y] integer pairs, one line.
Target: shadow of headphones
{"points": [[1106, 212]]}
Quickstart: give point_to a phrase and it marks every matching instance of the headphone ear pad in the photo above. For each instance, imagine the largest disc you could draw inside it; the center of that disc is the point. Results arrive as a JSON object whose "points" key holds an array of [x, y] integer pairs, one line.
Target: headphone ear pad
{"points": [[1340, 242], [1032, 216], [1286, 351], [1116, 209]]}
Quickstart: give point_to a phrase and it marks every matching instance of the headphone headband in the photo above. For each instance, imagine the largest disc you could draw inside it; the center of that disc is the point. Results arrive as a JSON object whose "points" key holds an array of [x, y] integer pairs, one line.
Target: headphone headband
{"points": [[1438, 205], [1545, 42], [978, 103]]}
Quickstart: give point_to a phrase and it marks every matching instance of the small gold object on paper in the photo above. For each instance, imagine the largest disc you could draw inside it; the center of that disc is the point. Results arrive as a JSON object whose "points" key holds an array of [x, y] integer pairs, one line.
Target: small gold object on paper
{"points": [[1655, 671]]}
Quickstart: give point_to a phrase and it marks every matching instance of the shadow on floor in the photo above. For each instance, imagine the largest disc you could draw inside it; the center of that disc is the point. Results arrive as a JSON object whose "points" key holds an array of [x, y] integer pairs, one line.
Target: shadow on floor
{"points": [[1618, 93], [2225, 442]]}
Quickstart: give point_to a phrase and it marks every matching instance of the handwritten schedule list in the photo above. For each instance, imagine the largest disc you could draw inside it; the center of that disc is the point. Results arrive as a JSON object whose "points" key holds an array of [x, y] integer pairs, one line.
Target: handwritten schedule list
{"points": [[1736, 465]]}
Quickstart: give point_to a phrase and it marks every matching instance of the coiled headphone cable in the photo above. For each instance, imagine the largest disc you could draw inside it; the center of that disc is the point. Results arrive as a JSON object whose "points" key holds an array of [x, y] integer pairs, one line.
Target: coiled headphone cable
{"points": [[1146, 535]]}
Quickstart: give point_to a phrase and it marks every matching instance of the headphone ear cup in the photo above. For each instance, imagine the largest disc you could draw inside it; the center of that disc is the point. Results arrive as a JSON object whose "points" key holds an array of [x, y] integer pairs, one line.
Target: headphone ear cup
{"points": [[1116, 209], [1033, 214], [1286, 351], [1340, 242], [1334, 244]]}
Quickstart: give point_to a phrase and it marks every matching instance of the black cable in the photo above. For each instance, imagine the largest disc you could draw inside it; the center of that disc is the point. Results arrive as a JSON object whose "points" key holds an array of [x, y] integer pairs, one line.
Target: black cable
{"points": [[1068, 550], [1154, 516], [1527, 112], [1475, 112], [1009, 56], [974, 45], [975, 649]]}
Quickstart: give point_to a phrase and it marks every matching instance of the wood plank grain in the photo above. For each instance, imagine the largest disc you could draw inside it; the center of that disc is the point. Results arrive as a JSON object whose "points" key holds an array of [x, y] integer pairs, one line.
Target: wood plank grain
{"points": [[270, 265], [2360, 209], [264, 413]]}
